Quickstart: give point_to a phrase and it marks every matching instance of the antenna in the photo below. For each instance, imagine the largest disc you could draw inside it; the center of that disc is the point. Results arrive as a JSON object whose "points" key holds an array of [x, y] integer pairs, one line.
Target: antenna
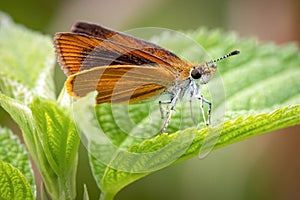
{"points": [[225, 56]]}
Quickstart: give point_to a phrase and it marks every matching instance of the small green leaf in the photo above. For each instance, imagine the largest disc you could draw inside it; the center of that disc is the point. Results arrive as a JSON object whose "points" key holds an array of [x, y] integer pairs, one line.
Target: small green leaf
{"points": [[11, 151], [59, 134], [13, 183], [60, 141]]}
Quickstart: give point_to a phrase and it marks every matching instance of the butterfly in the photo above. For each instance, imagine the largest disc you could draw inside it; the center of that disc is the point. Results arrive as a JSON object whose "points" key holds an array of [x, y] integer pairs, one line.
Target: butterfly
{"points": [[125, 69]]}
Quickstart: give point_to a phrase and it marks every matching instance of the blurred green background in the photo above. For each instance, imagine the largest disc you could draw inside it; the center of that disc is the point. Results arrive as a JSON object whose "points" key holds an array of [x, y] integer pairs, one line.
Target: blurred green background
{"points": [[266, 167]]}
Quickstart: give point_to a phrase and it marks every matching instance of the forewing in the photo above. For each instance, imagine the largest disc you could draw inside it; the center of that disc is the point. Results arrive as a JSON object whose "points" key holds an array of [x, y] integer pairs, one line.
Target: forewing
{"points": [[121, 83], [79, 52], [127, 40]]}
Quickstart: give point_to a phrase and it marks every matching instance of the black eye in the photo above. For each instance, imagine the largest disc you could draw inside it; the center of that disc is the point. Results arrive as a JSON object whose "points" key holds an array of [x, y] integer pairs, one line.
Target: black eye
{"points": [[195, 74]]}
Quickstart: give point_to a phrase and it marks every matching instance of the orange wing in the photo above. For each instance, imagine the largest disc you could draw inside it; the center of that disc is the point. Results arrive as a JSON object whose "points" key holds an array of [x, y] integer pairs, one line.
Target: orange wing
{"points": [[121, 83], [77, 51]]}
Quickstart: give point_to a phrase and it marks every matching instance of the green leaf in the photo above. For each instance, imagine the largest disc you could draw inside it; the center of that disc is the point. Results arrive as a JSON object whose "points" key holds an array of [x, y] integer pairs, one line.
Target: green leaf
{"points": [[11, 151], [112, 180], [27, 61], [60, 142], [13, 183], [253, 93]]}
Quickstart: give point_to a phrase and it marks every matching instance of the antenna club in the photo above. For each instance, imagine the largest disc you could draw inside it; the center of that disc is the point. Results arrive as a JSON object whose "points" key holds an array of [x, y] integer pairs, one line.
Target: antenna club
{"points": [[235, 52]]}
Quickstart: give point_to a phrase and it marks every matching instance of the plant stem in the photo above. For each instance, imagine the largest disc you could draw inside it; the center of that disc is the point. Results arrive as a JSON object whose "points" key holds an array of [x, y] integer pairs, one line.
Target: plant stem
{"points": [[107, 196]]}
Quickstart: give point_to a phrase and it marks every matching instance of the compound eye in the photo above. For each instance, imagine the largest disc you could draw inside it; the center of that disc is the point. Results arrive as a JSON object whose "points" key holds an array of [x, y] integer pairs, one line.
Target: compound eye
{"points": [[196, 74]]}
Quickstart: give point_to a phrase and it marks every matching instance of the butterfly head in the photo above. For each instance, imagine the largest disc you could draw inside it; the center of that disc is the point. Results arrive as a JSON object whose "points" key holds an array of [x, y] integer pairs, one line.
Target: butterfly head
{"points": [[205, 71]]}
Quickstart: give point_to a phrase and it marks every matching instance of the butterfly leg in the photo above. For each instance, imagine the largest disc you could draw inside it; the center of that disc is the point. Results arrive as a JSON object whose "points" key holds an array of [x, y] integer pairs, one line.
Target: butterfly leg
{"points": [[162, 110], [191, 107], [170, 111], [208, 111], [203, 100]]}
